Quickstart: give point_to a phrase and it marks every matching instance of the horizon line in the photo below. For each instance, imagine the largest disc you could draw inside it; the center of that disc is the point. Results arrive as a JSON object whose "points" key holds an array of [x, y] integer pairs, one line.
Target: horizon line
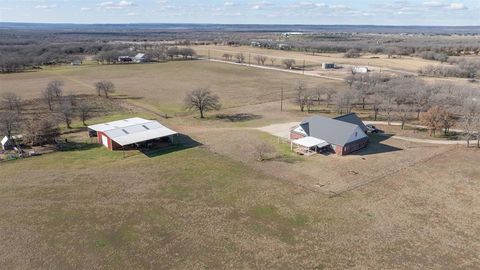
{"points": [[269, 24]]}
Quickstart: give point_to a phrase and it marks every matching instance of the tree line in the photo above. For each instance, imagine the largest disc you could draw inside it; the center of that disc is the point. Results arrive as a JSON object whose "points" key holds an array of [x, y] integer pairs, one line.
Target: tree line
{"points": [[43, 128]]}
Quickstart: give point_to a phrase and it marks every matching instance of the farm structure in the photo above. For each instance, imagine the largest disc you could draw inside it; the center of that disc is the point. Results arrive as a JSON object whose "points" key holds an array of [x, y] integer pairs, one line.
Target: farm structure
{"points": [[139, 58], [133, 132], [342, 135], [8, 143], [360, 70], [329, 65]]}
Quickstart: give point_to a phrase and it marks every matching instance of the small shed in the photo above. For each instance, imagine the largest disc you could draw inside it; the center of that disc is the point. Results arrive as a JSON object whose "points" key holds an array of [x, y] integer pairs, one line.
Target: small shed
{"points": [[360, 70], [8, 143], [328, 65]]}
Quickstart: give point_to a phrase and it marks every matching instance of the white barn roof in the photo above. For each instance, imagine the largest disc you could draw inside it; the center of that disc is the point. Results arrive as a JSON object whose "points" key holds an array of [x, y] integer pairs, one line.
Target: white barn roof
{"points": [[133, 130], [119, 124]]}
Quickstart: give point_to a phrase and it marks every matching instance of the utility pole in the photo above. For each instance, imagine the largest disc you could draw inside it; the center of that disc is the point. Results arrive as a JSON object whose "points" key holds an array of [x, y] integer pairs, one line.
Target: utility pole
{"points": [[249, 59], [208, 54], [281, 100], [303, 70]]}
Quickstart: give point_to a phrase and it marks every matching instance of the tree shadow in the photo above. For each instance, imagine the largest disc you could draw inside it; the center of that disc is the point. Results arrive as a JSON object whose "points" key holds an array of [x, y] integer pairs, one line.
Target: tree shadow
{"points": [[125, 97], [183, 142], [375, 146], [238, 117], [71, 146]]}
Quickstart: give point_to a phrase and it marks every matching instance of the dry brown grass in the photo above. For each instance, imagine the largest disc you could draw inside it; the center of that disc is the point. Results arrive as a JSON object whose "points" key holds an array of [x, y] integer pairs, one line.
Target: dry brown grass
{"points": [[200, 209], [410, 64], [214, 206], [164, 85]]}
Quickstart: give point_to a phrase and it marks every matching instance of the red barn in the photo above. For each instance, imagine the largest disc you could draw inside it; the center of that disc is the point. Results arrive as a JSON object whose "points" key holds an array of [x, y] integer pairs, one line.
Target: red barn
{"points": [[133, 131]]}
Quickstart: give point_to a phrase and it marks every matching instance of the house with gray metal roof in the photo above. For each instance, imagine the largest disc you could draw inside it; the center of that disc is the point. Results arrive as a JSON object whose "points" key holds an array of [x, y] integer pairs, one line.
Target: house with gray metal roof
{"points": [[341, 136], [352, 118]]}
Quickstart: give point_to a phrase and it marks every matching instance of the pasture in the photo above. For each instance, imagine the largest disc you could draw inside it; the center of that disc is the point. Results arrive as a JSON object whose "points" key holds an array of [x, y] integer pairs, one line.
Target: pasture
{"points": [[164, 85], [395, 204], [403, 64]]}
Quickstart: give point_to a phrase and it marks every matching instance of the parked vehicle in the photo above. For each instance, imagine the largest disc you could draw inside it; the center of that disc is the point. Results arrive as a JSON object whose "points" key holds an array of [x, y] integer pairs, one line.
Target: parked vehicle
{"points": [[372, 129]]}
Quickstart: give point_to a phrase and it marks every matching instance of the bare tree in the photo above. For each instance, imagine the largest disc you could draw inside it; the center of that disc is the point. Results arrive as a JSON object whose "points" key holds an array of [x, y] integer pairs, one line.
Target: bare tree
{"points": [[403, 113], [201, 100], [227, 56], [9, 123], [273, 60], [260, 59], [240, 57], [344, 101], [41, 130], [470, 118], [387, 106], [288, 63], [84, 109], [12, 102], [105, 87], [56, 88], [302, 95], [264, 151], [67, 113], [48, 97], [329, 94]]}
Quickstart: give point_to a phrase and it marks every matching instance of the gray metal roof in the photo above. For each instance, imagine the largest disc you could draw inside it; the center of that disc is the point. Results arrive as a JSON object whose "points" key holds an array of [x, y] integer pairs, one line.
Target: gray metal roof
{"points": [[331, 130], [352, 118]]}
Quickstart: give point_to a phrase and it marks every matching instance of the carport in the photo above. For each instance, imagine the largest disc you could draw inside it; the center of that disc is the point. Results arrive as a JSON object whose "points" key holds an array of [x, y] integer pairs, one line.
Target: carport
{"points": [[307, 146]]}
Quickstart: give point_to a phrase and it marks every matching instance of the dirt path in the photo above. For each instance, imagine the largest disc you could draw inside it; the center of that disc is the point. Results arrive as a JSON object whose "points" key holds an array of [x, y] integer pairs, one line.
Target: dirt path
{"points": [[299, 72]]}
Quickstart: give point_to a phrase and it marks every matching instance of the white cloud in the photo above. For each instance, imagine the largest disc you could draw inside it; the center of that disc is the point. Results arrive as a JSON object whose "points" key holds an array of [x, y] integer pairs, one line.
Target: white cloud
{"points": [[456, 6], [85, 8], [116, 5], [433, 4], [46, 6]]}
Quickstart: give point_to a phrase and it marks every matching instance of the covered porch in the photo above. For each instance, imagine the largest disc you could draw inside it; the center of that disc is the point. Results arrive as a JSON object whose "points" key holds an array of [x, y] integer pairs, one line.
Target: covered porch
{"points": [[307, 146]]}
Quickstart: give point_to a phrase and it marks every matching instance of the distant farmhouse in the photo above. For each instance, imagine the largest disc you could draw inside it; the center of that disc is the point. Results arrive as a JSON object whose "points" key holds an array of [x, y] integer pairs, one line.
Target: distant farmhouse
{"points": [[125, 59], [131, 133], [76, 62], [283, 46], [342, 135], [139, 58]]}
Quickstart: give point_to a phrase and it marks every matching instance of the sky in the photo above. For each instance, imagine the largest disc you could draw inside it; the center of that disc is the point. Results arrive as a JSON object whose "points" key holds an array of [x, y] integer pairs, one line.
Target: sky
{"points": [[372, 12]]}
